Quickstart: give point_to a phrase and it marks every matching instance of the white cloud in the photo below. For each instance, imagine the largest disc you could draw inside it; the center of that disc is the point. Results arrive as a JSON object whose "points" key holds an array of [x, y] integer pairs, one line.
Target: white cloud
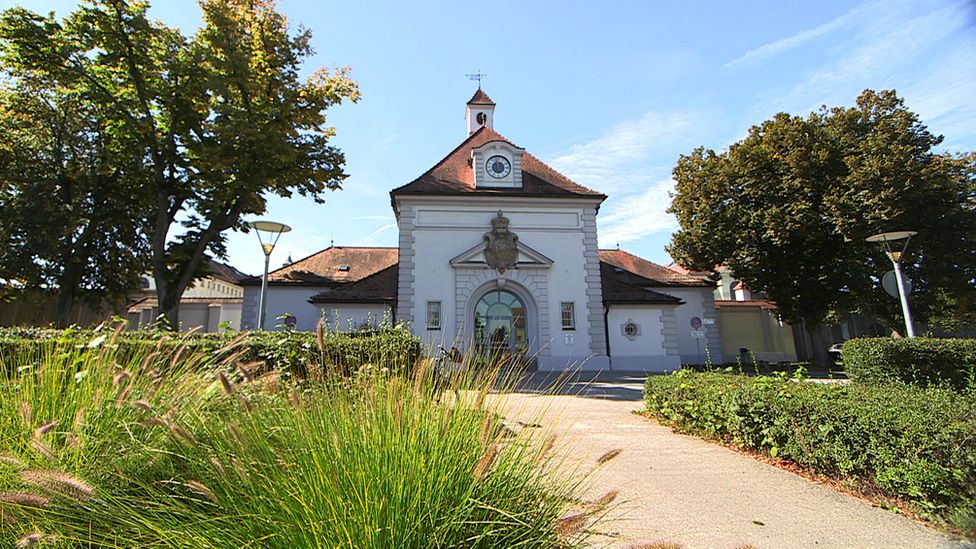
{"points": [[790, 42], [944, 99], [617, 160], [373, 238], [922, 50], [637, 215]]}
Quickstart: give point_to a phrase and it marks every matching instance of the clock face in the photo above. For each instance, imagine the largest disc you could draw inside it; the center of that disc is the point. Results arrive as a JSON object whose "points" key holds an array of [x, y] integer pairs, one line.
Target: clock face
{"points": [[498, 167]]}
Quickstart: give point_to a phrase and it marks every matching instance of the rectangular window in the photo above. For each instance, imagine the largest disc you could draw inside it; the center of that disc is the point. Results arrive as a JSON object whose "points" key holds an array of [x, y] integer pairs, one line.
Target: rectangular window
{"points": [[433, 315], [567, 311]]}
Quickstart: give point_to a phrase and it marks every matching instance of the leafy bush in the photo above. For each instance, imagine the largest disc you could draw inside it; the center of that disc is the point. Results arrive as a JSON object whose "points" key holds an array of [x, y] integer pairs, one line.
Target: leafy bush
{"points": [[917, 445], [109, 450], [295, 352], [918, 361]]}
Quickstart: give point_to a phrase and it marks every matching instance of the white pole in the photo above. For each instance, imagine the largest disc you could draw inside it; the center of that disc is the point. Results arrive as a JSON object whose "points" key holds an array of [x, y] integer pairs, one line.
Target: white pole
{"points": [[902, 294], [264, 292]]}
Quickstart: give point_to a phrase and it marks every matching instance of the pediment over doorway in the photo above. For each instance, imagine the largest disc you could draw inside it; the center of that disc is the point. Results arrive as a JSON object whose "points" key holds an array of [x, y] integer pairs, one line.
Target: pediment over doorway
{"points": [[474, 258]]}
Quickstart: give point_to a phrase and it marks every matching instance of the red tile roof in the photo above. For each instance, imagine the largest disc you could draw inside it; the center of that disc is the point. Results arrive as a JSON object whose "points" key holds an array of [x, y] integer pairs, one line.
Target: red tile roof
{"points": [[761, 303], [480, 98], [325, 267], [378, 287], [620, 288], [659, 274], [454, 175], [225, 272], [675, 267]]}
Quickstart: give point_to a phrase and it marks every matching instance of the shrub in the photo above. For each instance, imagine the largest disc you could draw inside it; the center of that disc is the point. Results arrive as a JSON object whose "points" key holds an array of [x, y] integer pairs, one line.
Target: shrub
{"points": [[918, 361], [917, 445], [395, 348]]}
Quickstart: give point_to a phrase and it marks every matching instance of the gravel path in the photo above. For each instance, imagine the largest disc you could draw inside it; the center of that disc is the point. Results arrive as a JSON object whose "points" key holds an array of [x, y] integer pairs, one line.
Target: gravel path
{"points": [[682, 490]]}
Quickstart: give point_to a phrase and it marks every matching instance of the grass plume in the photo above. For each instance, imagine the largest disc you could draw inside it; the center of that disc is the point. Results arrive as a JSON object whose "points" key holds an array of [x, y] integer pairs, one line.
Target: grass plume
{"points": [[58, 482], [24, 499], [608, 456], [43, 429]]}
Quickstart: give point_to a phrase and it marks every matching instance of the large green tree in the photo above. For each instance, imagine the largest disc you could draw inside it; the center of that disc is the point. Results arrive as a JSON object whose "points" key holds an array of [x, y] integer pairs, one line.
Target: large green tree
{"points": [[63, 189], [788, 209], [221, 120]]}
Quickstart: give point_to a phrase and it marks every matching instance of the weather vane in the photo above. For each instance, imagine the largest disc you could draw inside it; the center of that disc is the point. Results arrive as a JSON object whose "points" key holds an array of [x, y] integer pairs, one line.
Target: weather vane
{"points": [[476, 76]]}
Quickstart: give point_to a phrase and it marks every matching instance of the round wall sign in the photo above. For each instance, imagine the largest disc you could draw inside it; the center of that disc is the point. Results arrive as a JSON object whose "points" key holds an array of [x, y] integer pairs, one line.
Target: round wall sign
{"points": [[696, 322], [890, 284]]}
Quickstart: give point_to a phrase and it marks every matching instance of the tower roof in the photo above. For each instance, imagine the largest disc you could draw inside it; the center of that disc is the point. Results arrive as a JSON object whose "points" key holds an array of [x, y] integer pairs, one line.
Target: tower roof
{"points": [[453, 175], [480, 98]]}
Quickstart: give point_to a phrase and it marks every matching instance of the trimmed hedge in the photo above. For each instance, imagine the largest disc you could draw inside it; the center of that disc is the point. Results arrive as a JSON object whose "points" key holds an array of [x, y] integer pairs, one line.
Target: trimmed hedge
{"points": [[917, 445], [394, 348], [917, 361]]}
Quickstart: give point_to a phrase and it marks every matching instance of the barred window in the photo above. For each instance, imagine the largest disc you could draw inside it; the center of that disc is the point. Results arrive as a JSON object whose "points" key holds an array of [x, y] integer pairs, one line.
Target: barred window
{"points": [[433, 315], [567, 312]]}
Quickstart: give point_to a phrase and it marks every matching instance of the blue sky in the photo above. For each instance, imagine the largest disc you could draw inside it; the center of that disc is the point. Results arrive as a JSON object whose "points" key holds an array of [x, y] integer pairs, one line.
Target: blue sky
{"points": [[609, 93]]}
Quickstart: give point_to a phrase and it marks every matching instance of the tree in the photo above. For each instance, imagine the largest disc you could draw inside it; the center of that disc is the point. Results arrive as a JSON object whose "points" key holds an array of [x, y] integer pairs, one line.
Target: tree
{"points": [[221, 120], [787, 209], [66, 213]]}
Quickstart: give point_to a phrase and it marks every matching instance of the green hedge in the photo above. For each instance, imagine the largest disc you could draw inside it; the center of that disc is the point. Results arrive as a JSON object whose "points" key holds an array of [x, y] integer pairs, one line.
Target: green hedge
{"points": [[394, 348], [917, 445], [918, 361]]}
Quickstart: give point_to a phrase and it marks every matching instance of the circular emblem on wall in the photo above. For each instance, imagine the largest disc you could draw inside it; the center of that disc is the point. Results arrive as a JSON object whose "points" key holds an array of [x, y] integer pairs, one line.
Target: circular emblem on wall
{"points": [[630, 329], [498, 167]]}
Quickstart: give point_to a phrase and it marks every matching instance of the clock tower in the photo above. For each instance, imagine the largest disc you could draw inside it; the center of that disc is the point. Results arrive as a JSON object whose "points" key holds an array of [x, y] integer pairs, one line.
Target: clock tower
{"points": [[479, 112]]}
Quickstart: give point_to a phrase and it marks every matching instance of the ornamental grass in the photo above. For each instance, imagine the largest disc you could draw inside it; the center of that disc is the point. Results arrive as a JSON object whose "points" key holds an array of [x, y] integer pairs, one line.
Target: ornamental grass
{"points": [[179, 449]]}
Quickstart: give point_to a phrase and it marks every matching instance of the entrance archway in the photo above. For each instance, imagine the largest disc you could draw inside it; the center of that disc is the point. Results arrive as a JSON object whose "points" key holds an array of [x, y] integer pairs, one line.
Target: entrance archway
{"points": [[501, 325]]}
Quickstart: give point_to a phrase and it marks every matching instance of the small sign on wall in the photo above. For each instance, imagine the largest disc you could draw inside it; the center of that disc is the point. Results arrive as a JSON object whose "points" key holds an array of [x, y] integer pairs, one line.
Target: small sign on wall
{"points": [[697, 333]]}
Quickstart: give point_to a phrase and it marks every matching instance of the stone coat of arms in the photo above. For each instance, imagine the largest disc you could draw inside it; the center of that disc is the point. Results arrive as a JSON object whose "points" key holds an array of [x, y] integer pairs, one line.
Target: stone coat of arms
{"points": [[501, 245]]}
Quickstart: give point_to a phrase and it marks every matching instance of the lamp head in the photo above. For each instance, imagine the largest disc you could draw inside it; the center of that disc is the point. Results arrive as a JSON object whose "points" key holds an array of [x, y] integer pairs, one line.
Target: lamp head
{"points": [[268, 233], [886, 239]]}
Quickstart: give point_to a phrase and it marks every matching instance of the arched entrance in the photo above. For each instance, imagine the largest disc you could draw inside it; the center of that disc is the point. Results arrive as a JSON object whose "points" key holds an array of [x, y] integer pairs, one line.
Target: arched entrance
{"points": [[500, 325]]}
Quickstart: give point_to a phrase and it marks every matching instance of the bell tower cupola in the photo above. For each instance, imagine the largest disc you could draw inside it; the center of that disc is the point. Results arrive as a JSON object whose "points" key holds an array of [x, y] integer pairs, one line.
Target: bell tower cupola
{"points": [[479, 112]]}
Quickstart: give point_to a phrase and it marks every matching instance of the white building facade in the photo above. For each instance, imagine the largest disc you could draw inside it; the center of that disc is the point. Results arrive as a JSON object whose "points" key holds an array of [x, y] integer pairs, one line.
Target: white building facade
{"points": [[498, 256]]}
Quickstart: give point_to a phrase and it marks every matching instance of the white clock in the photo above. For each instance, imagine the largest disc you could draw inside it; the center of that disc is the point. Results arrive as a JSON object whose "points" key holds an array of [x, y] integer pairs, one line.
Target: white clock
{"points": [[498, 167]]}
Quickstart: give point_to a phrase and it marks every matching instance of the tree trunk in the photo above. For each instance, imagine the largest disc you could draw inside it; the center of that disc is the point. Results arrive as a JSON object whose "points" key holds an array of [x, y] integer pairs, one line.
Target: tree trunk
{"points": [[67, 290], [818, 347], [66, 300], [169, 305]]}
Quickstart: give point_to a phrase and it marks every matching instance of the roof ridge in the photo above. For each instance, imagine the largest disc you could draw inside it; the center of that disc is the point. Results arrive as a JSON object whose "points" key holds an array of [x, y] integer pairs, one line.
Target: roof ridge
{"points": [[322, 251], [554, 170], [449, 172], [678, 275], [365, 247], [443, 160]]}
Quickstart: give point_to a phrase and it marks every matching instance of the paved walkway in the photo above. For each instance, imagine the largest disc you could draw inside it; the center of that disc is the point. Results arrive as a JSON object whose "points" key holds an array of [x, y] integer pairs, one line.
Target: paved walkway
{"points": [[680, 489]]}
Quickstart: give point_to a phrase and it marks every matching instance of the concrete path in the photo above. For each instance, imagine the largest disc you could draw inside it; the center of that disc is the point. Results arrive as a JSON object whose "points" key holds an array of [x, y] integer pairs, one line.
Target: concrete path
{"points": [[682, 490]]}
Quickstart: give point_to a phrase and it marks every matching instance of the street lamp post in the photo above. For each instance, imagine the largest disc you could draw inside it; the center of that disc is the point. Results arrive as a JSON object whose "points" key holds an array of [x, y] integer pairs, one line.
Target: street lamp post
{"points": [[886, 239], [272, 231]]}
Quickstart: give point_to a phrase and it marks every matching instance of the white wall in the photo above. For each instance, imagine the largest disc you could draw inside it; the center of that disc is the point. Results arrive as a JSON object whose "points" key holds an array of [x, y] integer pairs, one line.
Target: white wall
{"points": [[281, 300], [645, 352], [441, 231], [347, 317], [193, 315], [213, 287], [231, 314], [700, 302]]}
